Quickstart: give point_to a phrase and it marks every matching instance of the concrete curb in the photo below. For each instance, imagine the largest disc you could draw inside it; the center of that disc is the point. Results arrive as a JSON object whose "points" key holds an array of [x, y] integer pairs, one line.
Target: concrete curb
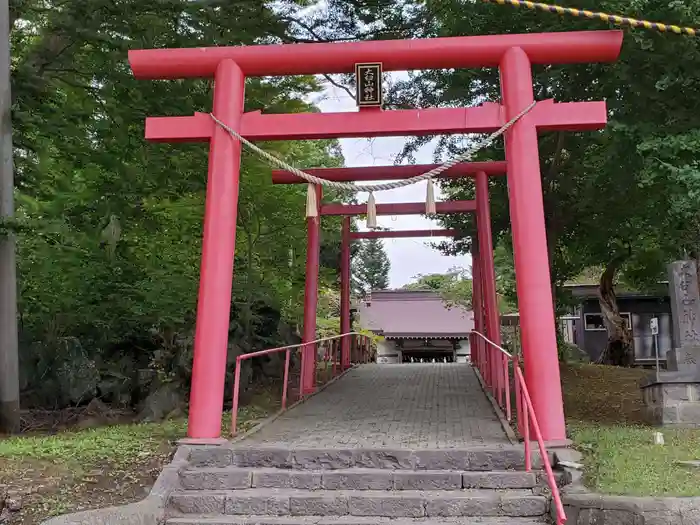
{"points": [[265, 422], [149, 511], [510, 433], [586, 508]]}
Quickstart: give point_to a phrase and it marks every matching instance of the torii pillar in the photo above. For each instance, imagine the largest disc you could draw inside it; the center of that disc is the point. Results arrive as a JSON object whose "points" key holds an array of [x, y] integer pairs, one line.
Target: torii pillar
{"points": [[313, 248], [488, 295], [533, 284], [345, 358]]}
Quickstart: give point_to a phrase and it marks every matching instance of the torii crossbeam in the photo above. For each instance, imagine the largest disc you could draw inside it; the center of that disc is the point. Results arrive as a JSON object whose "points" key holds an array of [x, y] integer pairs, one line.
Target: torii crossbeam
{"points": [[405, 171], [513, 54], [403, 234]]}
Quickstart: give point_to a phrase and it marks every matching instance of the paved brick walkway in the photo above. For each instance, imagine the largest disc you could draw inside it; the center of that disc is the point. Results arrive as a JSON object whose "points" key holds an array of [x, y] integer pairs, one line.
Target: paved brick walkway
{"points": [[407, 405]]}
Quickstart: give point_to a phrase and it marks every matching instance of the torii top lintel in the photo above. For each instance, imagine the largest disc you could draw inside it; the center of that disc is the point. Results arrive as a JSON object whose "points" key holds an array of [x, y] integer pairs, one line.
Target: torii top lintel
{"points": [[395, 55]]}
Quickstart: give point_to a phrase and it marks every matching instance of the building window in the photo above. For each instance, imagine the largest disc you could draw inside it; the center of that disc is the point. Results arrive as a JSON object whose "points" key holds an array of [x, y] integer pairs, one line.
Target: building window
{"points": [[594, 322]]}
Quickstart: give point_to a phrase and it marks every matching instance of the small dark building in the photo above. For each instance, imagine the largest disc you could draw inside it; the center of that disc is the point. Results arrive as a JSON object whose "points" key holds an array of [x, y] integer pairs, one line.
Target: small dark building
{"points": [[585, 327]]}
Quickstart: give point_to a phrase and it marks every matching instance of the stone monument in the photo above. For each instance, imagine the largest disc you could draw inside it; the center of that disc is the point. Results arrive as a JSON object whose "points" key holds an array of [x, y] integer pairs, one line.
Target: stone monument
{"points": [[672, 396]]}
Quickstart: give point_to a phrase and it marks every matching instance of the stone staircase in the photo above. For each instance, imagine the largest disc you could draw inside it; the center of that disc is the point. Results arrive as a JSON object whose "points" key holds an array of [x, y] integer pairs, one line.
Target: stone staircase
{"points": [[282, 486]]}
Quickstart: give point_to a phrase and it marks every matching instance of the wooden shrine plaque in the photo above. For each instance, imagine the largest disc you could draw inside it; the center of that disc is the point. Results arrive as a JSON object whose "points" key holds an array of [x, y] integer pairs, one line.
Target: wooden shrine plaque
{"points": [[369, 85]]}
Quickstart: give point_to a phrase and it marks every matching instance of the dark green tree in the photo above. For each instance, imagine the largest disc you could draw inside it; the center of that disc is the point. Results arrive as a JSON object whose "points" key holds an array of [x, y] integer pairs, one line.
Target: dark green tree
{"points": [[371, 267]]}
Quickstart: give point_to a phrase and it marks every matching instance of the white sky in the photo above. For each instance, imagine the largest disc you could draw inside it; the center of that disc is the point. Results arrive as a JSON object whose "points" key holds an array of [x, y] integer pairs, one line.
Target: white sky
{"points": [[408, 257]]}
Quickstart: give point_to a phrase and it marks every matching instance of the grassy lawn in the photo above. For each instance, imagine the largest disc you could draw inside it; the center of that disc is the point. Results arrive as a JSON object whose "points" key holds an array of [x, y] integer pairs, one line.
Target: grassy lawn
{"points": [[99, 467], [604, 418]]}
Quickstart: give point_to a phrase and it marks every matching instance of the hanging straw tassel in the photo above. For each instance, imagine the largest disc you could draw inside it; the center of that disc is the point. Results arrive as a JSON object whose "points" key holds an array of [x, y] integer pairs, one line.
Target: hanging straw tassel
{"points": [[311, 201], [430, 199], [371, 212]]}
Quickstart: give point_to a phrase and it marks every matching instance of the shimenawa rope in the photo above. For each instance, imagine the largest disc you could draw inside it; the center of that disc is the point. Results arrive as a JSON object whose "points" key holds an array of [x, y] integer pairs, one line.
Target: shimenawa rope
{"points": [[430, 208]]}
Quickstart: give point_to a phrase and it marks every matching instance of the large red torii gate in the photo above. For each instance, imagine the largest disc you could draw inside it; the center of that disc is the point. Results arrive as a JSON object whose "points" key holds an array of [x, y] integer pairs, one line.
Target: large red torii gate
{"points": [[513, 54]]}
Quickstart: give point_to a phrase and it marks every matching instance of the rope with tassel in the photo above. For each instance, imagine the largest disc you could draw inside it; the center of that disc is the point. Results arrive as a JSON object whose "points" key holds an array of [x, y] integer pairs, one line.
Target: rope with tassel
{"points": [[430, 208]]}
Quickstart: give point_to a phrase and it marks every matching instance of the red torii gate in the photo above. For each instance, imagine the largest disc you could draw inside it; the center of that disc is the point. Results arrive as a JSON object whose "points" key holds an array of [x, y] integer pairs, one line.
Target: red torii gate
{"points": [[485, 300], [512, 54]]}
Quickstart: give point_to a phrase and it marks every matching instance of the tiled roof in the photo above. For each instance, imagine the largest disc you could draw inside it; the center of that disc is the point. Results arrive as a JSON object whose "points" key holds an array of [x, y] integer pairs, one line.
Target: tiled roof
{"points": [[414, 314]]}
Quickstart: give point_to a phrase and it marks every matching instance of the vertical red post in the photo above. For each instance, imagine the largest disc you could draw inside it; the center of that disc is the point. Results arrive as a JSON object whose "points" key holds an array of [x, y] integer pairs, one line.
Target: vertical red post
{"points": [[345, 294], [488, 275], [478, 311], [308, 354], [530, 249], [218, 246]]}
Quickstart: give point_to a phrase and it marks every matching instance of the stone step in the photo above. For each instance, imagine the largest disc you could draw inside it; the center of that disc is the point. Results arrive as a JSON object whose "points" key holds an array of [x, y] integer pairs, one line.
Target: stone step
{"points": [[347, 520], [232, 478], [477, 458], [405, 504]]}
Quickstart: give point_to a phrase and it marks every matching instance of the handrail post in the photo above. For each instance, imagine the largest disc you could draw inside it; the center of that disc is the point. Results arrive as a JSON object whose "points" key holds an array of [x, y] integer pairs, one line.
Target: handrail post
{"points": [[526, 425], [302, 347], [518, 395], [333, 357], [236, 395], [506, 386], [285, 387]]}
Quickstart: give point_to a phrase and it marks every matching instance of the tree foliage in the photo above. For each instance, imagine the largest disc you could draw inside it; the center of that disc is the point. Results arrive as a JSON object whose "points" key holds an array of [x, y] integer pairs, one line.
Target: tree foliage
{"points": [[455, 286], [110, 226], [370, 267], [624, 199]]}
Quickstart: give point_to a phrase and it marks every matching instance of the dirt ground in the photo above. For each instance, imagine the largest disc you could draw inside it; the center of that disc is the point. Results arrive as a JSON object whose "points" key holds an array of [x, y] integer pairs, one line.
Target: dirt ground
{"points": [[60, 472], [602, 394]]}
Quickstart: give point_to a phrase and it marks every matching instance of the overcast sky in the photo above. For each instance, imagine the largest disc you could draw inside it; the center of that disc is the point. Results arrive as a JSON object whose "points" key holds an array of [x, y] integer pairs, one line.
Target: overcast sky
{"points": [[409, 257]]}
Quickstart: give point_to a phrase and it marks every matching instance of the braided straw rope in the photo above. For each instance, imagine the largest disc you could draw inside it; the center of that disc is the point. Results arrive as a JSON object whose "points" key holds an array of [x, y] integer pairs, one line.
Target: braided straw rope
{"points": [[312, 200], [376, 187]]}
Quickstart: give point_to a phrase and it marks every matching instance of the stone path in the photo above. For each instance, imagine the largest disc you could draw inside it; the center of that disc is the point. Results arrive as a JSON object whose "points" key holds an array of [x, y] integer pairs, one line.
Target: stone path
{"points": [[427, 406]]}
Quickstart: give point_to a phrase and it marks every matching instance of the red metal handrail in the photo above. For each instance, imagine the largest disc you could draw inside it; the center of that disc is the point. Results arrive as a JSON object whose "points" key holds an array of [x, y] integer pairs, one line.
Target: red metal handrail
{"points": [[526, 417], [364, 357]]}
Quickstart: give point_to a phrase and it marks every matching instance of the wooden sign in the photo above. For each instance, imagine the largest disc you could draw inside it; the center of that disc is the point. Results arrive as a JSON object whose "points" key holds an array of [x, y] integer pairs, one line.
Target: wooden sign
{"points": [[369, 85]]}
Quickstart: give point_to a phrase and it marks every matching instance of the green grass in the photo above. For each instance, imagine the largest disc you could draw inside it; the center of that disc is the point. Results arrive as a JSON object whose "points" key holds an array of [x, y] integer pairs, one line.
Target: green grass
{"points": [[605, 419], [624, 460], [117, 444]]}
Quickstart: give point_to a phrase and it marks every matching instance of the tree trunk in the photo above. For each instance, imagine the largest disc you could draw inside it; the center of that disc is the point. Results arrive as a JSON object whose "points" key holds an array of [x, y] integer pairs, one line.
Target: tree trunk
{"points": [[619, 350]]}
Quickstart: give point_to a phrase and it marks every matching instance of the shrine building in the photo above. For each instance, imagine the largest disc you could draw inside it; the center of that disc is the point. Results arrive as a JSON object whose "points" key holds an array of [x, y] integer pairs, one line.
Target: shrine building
{"points": [[417, 326]]}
